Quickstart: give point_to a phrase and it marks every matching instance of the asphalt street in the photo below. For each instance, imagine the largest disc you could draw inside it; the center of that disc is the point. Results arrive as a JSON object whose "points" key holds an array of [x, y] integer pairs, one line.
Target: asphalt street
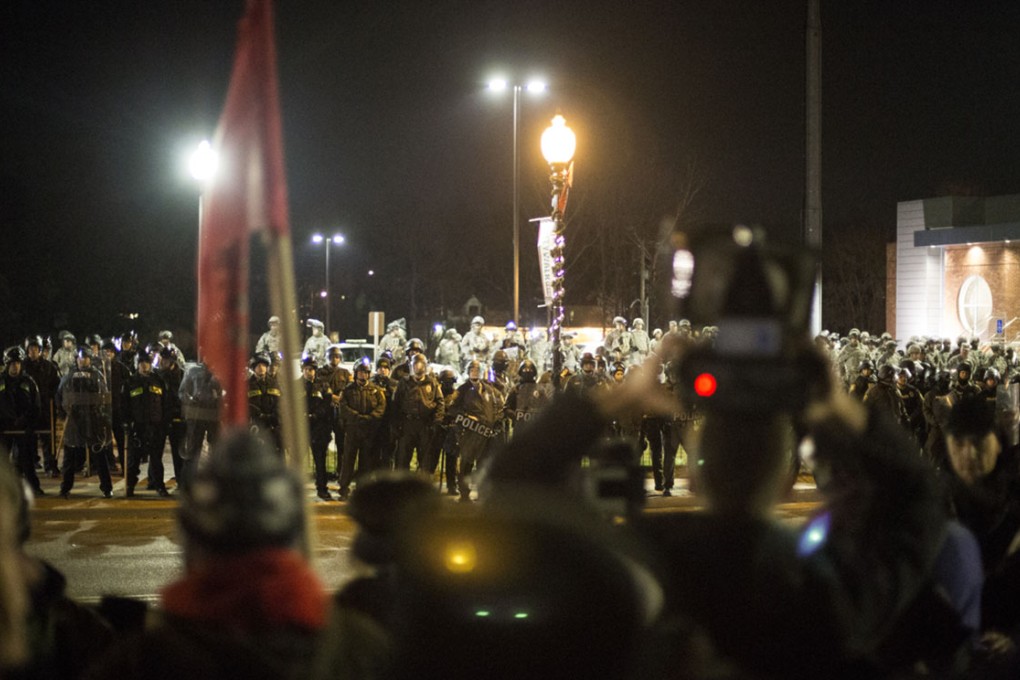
{"points": [[130, 547]]}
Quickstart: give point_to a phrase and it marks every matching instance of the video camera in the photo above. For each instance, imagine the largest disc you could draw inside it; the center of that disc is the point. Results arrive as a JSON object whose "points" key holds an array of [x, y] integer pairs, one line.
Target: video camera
{"points": [[759, 296]]}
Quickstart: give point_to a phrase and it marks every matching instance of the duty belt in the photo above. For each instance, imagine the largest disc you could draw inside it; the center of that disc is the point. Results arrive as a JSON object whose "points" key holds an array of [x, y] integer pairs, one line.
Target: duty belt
{"points": [[192, 412]]}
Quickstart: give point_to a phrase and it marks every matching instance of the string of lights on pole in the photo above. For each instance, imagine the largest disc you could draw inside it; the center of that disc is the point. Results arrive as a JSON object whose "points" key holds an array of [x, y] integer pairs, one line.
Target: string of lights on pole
{"points": [[558, 146]]}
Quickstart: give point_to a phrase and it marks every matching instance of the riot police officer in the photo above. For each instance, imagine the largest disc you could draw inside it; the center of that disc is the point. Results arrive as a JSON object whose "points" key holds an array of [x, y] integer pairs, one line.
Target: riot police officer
{"points": [[444, 437], [264, 400], [362, 406], [477, 406], [201, 395], [418, 406], [385, 438], [319, 411], [19, 412], [334, 378], [172, 373], [864, 380], [527, 397], [84, 397], [148, 411], [587, 380], [44, 372]]}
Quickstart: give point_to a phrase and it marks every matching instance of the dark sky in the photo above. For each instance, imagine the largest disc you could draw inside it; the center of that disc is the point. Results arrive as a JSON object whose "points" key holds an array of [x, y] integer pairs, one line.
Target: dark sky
{"points": [[388, 127]]}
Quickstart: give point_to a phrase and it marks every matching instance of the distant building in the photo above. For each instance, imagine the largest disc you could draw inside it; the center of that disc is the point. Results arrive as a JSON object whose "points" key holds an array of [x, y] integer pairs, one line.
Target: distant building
{"points": [[957, 268]]}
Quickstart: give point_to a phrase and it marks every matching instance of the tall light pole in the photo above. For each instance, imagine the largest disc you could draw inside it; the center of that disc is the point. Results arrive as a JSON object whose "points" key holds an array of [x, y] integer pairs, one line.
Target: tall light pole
{"points": [[535, 87], [328, 240], [202, 166], [558, 146]]}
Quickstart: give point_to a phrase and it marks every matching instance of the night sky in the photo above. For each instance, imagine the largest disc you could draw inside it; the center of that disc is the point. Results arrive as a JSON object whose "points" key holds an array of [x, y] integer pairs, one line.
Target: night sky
{"points": [[390, 135]]}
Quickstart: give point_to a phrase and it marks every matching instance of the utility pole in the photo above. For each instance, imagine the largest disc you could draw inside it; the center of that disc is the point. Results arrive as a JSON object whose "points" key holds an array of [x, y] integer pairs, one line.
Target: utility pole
{"points": [[813, 175]]}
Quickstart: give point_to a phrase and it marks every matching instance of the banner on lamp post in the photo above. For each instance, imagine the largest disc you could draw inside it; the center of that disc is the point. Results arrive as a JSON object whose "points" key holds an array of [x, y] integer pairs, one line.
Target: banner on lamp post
{"points": [[546, 241]]}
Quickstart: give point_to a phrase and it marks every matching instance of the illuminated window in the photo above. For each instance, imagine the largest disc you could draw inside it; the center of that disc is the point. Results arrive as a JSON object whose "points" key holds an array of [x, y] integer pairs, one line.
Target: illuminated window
{"points": [[974, 305]]}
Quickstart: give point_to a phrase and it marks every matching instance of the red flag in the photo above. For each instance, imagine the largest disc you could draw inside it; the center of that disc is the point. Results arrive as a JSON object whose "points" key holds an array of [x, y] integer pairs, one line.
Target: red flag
{"points": [[247, 193]]}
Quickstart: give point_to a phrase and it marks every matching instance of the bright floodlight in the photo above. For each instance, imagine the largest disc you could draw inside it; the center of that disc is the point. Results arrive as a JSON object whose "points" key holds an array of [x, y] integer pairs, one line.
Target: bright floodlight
{"points": [[337, 239], [203, 161], [323, 293], [497, 84], [316, 238], [536, 86], [558, 142]]}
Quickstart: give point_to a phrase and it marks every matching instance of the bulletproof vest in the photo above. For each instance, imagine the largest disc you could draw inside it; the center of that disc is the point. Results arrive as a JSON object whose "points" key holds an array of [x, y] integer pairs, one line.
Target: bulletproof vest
{"points": [[530, 400]]}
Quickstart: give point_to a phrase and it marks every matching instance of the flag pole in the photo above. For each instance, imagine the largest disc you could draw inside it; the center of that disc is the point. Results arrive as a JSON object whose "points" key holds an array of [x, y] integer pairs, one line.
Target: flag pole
{"points": [[283, 300]]}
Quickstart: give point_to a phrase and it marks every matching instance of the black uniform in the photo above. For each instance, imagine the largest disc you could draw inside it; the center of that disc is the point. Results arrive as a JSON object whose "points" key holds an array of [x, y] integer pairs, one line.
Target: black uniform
{"points": [[477, 407], [116, 375], [172, 374], [84, 397], [200, 394], [264, 406], [319, 410], [418, 406], [333, 380], [44, 372], [148, 410], [385, 442], [19, 411]]}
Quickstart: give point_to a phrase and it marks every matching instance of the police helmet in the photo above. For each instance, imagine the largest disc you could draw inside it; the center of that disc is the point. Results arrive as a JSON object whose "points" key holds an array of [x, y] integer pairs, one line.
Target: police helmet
{"points": [[414, 345], [258, 358], [364, 365], [587, 358], [34, 340], [619, 367], [14, 354], [992, 374], [84, 352], [500, 360], [276, 357], [866, 364], [447, 377], [384, 361], [94, 339], [961, 368], [169, 353], [309, 362], [887, 372], [144, 357], [419, 364], [110, 344], [334, 350], [511, 326], [478, 321], [905, 372], [130, 335], [474, 365], [528, 372]]}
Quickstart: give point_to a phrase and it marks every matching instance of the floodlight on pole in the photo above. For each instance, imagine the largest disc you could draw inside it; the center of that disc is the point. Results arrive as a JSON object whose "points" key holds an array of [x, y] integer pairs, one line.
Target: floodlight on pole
{"points": [[336, 239]]}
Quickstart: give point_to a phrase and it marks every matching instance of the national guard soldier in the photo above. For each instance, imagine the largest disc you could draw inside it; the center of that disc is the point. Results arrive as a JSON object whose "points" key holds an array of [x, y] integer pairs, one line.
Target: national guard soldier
{"points": [[393, 341], [569, 352], [540, 350], [269, 341], [618, 339], [475, 345], [148, 410], [334, 378], [201, 395], [640, 341], [362, 406], [850, 357], [172, 373], [319, 411], [264, 401], [527, 397], [85, 399], [44, 372], [448, 352], [166, 339], [317, 345], [418, 406], [384, 448], [65, 356], [514, 344], [476, 407], [19, 412]]}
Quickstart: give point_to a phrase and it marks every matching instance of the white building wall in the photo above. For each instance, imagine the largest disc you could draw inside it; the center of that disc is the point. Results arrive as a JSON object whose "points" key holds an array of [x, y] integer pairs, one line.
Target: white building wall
{"points": [[919, 275]]}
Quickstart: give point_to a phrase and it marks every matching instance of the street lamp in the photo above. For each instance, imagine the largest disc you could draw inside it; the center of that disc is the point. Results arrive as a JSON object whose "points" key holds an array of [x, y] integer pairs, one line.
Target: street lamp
{"points": [[328, 240], [202, 166], [558, 146], [535, 87]]}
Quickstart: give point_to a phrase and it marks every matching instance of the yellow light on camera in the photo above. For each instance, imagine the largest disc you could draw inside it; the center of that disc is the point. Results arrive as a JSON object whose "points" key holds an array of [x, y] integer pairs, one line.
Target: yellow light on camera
{"points": [[460, 557]]}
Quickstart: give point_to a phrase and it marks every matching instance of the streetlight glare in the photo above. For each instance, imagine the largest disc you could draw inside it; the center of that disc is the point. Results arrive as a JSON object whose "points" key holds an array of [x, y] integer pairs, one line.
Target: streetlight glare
{"points": [[316, 238], [338, 239], [536, 86], [203, 161], [497, 84], [558, 142]]}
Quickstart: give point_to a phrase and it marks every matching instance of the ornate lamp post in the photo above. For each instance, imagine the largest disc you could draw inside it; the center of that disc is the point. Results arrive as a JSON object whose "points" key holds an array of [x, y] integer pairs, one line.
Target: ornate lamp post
{"points": [[558, 146]]}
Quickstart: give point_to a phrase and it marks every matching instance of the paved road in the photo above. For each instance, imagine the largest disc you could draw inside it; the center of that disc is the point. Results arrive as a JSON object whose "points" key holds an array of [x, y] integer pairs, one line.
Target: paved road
{"points": [[129, 547]]}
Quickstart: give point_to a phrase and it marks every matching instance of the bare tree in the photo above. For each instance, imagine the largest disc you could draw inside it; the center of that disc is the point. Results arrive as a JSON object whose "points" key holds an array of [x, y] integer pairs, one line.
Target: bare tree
{"points": [[854, 267]]}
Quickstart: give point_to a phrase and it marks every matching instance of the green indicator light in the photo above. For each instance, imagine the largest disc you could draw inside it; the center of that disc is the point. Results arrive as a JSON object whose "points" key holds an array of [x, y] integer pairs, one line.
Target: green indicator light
{"points": [[481, 613], [521, 615]]}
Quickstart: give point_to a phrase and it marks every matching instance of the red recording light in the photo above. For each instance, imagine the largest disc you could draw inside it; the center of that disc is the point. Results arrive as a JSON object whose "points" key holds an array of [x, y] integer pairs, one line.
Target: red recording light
{"points": [[704, 385]]}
